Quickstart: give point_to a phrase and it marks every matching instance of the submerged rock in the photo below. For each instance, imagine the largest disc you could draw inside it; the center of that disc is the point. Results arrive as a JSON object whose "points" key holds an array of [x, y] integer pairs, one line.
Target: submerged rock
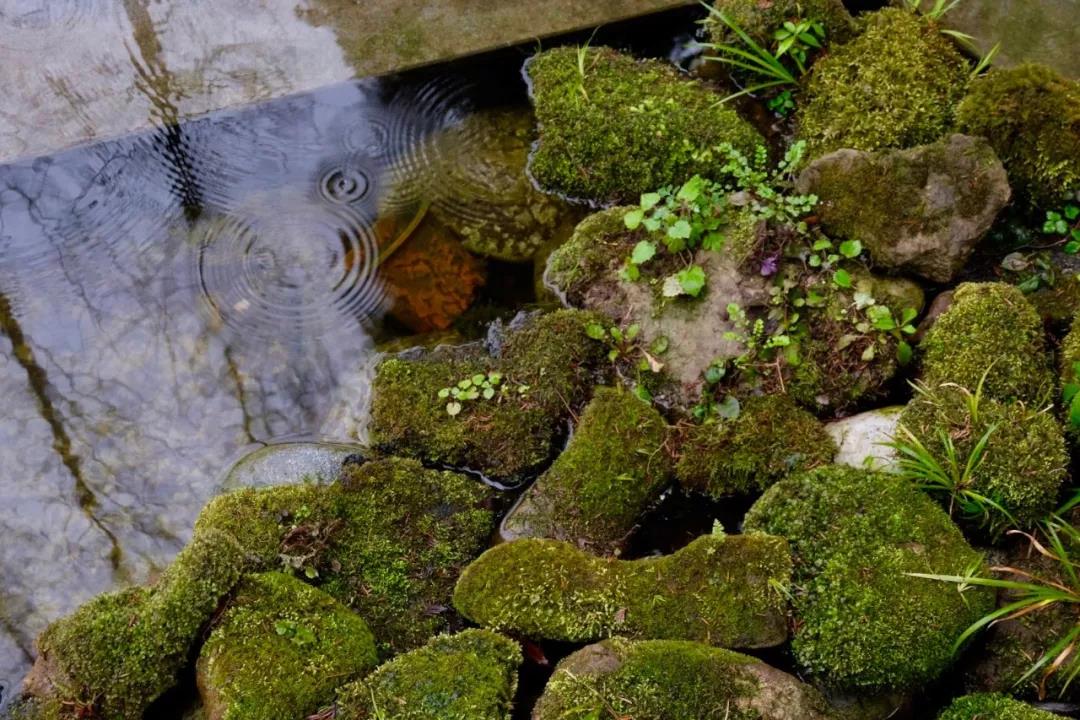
{"points": [[120, 651], [862, 439], [862, 623], [284, 463], [717, 590], [613, 127], [543, 369], [991, 706], [661, 679], [989, 329], [388, 540], [1031, 116], [894, 86], [760, 19], [1024, 463], [771, 438], [471, 675], [921, 210], [614, 467], [279, 650]]}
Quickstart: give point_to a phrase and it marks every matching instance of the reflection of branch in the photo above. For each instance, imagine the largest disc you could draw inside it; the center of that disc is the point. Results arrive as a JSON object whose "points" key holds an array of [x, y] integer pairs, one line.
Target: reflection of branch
{"points": [[39, 386]]}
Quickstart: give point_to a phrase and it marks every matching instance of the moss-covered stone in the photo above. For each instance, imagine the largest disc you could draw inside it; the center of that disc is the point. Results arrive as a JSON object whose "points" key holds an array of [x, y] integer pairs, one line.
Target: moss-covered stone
{"points": [[615, 466], [718, 590], [612, 127], [1031, 116], [117, 653], [894, 86], [548, 365], [991, 329], [992, 706], [1025, 461], [468, 676], [669, 679], [280, 650], [771, 438], [861, 621], [388, 540], [760, 19]]}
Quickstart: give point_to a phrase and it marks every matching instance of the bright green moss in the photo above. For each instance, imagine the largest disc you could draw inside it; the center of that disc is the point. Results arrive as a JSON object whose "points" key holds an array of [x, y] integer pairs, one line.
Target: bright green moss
{"points": [[991, 329], [669, 680], [894, 86], [1025, 462], [991, 706], [1069, 359], [388, 540], [1031, 116], [718, 590], [597, 243], [468, 676], [548, 366], [760, 19], [614, 467], [862, 623], [280, 650], [622, 126], [117, 653], [770, 438]]}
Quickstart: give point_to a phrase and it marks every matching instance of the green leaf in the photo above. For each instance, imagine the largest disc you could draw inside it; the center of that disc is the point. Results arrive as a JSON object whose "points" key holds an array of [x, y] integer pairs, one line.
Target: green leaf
{"points": [[616, 334], [659, 346], [1072, 247], [478, 379], [489, 392], [633, 331], [851, 249], [651, 224], [1074, 411], [629, 272], [903, 352], [453, 408], [908, 315], [728, 408], [596, 331], [881, 317], [633, 218], [680, 230], [649, 200], [444, 393], [643, 252], [822, 244], [691, 189], [642, 393], [714, 242], [842, 278], [1072, 212], [692, 280]]}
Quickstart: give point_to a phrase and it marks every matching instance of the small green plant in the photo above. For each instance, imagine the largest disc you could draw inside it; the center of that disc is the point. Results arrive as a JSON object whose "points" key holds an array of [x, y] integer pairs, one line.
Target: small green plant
{"points": [[798, 39], [624, 346], [475, 387], [767, 189], [1070, 397], [708, 406], [937, 11], [300, 635], [1028, 593], [1033, 270], [883, 319], [783, 103], [985, 61], [1065, 224]]}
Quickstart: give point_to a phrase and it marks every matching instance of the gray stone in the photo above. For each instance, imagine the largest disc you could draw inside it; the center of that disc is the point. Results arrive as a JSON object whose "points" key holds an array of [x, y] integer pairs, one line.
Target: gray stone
{"points": [[861, 438], [921, 210], [285, 463]]}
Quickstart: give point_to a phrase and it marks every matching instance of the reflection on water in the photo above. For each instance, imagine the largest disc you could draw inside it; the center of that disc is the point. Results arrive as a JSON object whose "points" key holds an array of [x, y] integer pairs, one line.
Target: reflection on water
{"points": [[171, 300]]}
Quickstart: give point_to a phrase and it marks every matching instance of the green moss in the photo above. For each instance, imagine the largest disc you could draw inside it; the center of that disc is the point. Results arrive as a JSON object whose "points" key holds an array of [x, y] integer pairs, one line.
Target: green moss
{"points": [[614, 467], [619, 127], [1031, 115], [771, 438], [117, 653], [280, 650], [670, 679], [598, 242], [862, 623], [718, 590], [989, 328], [760, 19], [388, 540], [550, 356], [1025, 462], [894, 86], [991, 706], [468, 676], [1069, 364]]}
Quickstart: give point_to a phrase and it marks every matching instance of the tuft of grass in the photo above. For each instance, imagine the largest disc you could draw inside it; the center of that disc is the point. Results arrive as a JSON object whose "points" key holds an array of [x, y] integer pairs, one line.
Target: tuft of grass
{"points": [[753, 58]]}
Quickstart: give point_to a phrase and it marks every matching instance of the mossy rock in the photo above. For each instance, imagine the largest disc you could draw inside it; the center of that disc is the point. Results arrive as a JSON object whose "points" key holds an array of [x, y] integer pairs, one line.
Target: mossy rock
{"points": [[468, 676], [616, 465], [388, 540], [1031, 116], [1025, 461], [548, 366], [990, 329], [760, 19], [119, 652], [669, 679], [993, 706], [279, 650], [894, 86], [613, 127], [862, 622], [717, 590], [952, 190], [771, 438]]}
